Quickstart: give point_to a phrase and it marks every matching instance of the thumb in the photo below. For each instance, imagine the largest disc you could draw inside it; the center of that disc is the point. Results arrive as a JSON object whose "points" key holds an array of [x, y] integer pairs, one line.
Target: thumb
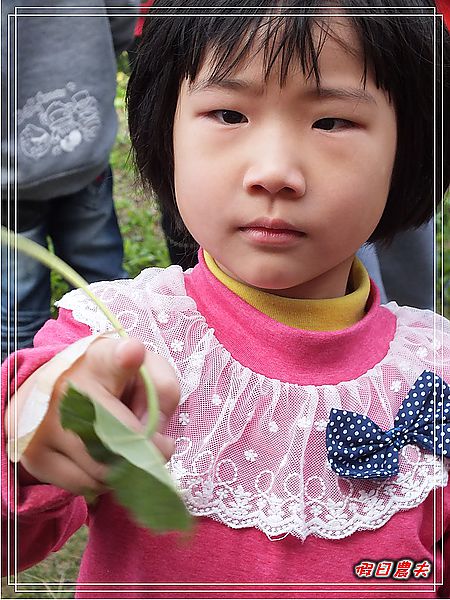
{"points": [[106, 366], [103, 372], [113, 363]]}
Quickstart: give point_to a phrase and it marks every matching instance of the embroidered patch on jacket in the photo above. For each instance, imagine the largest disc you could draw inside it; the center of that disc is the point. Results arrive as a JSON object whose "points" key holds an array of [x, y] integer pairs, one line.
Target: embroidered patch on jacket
{"points": [[57, 121]]}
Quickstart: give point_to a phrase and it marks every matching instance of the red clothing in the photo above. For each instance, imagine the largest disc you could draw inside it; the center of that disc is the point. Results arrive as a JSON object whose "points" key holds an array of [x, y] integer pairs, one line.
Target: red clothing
{"points": [[217, 561], [443, 7], [141, 20]]}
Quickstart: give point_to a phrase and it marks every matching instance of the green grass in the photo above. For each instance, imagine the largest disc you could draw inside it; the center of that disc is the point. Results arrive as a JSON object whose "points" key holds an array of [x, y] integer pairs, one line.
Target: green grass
{"points": [[54, 577], [144, 247]]}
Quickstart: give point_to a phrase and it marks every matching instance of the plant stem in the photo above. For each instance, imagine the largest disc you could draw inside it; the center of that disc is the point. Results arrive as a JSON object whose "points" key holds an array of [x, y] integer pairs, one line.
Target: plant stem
{"points": [[41, 254]]}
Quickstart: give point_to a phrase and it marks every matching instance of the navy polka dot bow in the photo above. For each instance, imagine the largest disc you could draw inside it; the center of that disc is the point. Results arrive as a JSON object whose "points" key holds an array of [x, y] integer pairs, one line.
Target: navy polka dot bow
{"points": [[358, 448]]}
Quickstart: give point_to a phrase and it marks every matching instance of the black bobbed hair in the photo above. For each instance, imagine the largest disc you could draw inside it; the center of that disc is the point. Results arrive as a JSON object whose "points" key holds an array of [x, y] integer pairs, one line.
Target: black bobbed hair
{"points": [[406, 48]]}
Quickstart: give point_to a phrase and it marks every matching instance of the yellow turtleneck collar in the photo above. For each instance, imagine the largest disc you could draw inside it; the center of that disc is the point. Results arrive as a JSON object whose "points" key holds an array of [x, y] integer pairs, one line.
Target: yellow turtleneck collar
{"points": [[314, 315]]}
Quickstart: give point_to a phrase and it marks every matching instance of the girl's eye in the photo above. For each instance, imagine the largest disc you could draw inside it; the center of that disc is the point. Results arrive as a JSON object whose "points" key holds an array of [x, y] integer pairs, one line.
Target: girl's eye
{"points": [[230, 117], [332, 124]]}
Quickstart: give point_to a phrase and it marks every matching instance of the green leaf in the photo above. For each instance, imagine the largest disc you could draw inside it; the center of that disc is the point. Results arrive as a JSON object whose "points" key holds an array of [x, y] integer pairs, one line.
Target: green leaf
{"points": [[148, 499], [78, 414], [134, 447], [137, 476]]}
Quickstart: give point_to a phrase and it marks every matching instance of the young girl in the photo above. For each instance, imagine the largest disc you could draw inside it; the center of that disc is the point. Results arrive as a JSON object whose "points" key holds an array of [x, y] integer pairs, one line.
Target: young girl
{"points": [[305, 423]]}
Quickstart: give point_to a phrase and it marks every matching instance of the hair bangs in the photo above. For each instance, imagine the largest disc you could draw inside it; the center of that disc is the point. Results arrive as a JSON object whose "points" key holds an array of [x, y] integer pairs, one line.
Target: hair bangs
{"points": [[284, 42], [280, 41]]}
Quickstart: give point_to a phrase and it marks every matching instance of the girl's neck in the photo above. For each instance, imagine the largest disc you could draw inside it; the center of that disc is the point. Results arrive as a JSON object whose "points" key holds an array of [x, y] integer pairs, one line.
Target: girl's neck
{"points": [[314, 315]]}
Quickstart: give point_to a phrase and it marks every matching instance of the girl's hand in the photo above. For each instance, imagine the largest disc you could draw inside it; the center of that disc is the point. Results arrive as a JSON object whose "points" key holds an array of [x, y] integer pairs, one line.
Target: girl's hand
{"points": [[108, 372]]}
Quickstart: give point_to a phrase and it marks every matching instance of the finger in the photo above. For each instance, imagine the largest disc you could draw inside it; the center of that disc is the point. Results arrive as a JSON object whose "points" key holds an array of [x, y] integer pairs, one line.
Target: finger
{"points": [[70, 445], [166, 386], [165, 444], [104, 372], [117, 362], [110, 363], [57, 469], [53, 437], [165, 381]]}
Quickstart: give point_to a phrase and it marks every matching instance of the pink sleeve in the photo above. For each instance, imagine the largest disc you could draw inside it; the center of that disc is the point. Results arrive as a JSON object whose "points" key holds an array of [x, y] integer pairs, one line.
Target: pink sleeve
{"points": [[46, 515]]}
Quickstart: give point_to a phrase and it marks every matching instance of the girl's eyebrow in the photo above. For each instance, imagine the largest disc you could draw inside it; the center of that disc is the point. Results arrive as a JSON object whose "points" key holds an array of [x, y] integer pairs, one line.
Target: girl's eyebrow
{"points": [[347, 93], [212, 83]]}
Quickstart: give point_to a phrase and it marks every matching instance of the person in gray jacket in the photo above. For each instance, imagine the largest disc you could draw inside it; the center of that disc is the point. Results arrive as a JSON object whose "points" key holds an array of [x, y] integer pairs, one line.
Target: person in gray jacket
{"points": [[59, 124]]}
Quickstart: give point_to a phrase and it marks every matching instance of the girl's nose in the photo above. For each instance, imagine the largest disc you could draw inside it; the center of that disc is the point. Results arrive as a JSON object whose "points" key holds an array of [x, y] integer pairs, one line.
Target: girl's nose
{"points": [[275, 176]]}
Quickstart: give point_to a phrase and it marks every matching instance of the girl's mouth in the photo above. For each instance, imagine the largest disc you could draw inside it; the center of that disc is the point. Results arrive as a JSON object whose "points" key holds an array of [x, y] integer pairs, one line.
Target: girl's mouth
{"points": [[271, 237]]}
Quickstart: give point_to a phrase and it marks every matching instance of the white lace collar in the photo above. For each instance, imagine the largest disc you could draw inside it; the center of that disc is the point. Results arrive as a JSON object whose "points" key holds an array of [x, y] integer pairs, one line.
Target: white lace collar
{"points": [[250, 450]]}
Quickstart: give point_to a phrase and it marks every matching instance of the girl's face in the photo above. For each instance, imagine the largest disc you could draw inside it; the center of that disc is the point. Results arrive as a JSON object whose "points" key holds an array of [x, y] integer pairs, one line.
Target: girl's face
{"points": [[282, 185]]}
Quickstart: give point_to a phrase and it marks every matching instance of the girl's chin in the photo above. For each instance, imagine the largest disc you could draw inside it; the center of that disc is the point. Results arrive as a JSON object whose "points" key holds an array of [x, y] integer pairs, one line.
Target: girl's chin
{"points": [[263, 281], [271, 287]]}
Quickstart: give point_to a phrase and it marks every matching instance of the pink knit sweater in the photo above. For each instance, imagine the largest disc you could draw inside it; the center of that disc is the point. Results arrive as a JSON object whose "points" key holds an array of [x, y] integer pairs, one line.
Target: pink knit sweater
{"points": [[218, 561]]}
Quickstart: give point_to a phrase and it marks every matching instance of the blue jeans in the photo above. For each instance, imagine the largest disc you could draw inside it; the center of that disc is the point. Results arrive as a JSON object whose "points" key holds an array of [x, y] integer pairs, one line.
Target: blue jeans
{"points": [[84, 231]]}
